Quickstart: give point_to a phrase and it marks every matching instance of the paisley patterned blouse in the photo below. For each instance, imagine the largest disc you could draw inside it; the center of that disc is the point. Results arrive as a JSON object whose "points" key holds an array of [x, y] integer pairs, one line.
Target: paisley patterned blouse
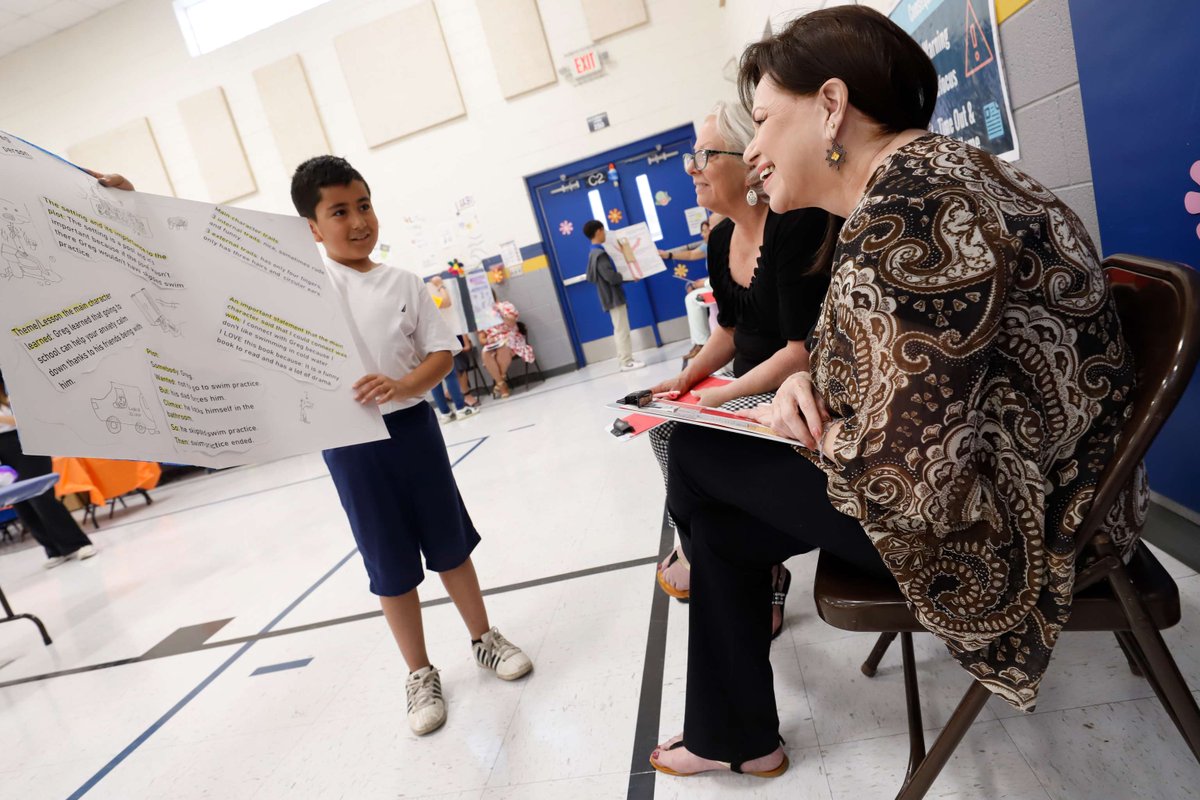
{"points": [[971, 346]]}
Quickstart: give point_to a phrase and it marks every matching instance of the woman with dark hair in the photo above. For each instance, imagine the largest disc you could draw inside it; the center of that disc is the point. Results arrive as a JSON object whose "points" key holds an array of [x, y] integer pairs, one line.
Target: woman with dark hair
{"points": [[46, 519], [967, 383]]}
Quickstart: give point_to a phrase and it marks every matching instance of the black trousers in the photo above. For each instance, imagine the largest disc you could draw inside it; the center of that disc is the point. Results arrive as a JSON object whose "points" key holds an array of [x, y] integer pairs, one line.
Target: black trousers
{"points": [[746, 504], [48, 520]]}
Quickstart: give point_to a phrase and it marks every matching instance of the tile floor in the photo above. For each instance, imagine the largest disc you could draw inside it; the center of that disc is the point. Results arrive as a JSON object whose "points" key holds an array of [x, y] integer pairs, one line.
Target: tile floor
{"points": [[267, 549]]}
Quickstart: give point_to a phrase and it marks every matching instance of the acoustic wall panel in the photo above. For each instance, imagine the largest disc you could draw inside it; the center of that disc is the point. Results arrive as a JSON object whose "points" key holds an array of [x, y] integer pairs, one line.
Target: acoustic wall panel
{"points": [[606, 17], [399, 74], [130, 150], [518, 43], [291, 111], [217, 146]]}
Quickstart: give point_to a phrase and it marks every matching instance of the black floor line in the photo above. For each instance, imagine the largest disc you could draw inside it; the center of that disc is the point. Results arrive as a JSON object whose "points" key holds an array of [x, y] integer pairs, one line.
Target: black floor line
{"points": [[645, 736], [165, 652]]}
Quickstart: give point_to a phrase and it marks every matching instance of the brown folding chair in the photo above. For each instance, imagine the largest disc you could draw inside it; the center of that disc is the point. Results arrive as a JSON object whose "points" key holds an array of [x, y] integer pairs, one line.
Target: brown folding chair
{"points": [[1159, 306]]}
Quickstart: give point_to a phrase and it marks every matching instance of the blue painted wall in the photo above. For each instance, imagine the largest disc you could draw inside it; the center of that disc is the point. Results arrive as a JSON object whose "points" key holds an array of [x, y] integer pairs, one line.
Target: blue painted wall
{"points": [[1141, 104]]}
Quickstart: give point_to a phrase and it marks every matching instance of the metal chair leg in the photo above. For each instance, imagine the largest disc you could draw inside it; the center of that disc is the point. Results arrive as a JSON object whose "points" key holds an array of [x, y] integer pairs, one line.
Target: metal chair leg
{"points": [[1135, 666], [960, 722], [1162, 669], [912, 702], [871, 665], [9, 616], [1138, 658], [1172, 689]]}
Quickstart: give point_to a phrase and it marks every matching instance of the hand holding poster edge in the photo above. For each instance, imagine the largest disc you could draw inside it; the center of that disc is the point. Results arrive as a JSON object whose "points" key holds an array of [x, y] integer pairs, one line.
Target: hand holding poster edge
{"points": [[49, 425]]}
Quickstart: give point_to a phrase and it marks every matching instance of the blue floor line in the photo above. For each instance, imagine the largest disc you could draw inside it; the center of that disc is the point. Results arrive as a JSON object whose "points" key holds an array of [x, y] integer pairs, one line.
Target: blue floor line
{"points": [[145, 735]]}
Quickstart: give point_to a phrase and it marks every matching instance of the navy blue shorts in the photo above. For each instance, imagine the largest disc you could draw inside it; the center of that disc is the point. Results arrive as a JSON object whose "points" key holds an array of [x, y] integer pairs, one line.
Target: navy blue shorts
{"points": [[401, 499]]}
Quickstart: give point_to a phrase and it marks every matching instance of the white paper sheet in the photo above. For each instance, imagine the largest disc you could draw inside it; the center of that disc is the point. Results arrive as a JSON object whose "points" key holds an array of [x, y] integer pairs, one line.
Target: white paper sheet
{"points": [[633, 252], [135, 326]]}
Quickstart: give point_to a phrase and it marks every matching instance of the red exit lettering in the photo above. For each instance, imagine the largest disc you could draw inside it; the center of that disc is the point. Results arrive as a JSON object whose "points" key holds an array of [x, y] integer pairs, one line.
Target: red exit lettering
{"points": [[585, 63]]}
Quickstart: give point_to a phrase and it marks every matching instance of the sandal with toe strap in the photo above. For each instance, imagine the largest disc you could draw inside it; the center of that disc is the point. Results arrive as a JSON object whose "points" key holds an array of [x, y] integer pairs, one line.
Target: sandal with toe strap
{"points": [[736, 766], [682, 595]]}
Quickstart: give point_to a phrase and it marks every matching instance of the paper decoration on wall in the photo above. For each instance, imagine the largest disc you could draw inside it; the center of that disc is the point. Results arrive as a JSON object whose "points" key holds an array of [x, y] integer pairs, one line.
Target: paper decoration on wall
{"points": [[606, 17], [661, 198], [291, 111], [217, 146], [566, 228], [510, 254], [614, 215], [399, 74], [681, 271], [130, 149], [695, 216], [517, 41], [1191, 200]]}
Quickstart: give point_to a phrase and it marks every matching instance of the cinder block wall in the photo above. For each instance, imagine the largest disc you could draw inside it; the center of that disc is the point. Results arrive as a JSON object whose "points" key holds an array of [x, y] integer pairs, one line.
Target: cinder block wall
{"points": [[1043, 84]]}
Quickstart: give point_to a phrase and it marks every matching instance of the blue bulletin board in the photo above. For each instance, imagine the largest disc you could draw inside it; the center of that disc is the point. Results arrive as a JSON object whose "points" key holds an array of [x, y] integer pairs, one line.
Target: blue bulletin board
{"points": [[1141, 105], [959, 36]]}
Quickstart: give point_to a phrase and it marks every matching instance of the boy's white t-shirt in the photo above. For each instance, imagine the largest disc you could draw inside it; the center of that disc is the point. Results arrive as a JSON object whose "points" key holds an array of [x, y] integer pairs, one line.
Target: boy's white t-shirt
{"points": [[393, 320]]}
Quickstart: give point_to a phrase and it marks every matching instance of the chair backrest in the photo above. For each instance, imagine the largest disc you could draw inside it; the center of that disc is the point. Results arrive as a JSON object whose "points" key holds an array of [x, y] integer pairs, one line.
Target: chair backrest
{"points": [[1159, 306]]}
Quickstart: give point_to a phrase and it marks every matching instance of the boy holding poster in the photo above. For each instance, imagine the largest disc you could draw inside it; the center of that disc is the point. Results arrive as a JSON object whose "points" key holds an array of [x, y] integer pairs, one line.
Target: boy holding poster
{"points": [[399, 493]]}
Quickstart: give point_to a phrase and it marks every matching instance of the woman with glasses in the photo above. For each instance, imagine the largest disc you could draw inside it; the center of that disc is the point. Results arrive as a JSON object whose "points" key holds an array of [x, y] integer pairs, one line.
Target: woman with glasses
{"points": [[968, 384], [767, 299]]}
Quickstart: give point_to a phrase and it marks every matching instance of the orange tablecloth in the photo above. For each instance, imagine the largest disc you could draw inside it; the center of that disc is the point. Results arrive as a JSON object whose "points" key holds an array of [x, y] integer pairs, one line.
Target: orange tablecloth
{"points": [[103, 479]]}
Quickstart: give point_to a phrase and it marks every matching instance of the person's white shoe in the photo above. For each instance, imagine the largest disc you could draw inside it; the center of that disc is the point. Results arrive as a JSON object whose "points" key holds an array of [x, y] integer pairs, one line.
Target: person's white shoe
{"points": [[54, 561], [632, 364], [494, 652], [446, 418], [426, 708], [87, 551], [468, 411]]}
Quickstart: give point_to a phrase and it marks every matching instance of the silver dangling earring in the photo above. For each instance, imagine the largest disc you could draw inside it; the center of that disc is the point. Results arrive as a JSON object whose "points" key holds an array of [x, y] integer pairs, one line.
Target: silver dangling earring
{"points": [[751, 198]]}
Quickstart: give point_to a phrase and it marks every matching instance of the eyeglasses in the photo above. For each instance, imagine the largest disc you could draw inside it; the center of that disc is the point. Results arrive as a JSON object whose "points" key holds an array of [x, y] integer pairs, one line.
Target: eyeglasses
{"points": [[700, 158]]}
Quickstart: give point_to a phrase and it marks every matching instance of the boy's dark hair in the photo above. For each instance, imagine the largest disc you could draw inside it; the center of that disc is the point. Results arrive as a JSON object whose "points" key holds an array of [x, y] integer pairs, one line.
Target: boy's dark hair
{"points": [[590, 227], [314, 175]]}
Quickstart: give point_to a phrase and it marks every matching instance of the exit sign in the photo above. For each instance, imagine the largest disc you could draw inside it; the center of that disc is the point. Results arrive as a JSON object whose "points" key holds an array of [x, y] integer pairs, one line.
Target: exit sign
{"points": [[584, 64]]}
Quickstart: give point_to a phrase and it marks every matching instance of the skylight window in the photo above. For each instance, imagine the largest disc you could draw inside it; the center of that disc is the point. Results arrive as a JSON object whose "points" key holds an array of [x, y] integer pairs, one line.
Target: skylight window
{"points": [[211, 24]]}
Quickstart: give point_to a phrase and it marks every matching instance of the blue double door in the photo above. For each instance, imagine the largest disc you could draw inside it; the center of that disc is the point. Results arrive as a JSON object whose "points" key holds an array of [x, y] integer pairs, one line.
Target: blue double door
{"points": [[641, 182]]}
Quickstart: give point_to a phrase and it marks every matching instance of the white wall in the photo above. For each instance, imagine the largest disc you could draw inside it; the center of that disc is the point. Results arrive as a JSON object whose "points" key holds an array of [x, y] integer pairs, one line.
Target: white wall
{"points": [[131, 61]]}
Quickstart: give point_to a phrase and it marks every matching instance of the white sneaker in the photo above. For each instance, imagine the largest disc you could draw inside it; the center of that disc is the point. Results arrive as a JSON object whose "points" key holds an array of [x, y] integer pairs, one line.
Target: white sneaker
{"points": [[468, 411], [85, 552], [54, 561], [497, 653], [632, 364], [446, 418], [426, 708]]}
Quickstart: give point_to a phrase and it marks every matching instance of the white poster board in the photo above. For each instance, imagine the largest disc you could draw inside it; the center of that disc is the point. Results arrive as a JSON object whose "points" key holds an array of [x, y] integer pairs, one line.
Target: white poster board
{"points": [[482, 303], [695, 217], [633, 252], [134, 326]]}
